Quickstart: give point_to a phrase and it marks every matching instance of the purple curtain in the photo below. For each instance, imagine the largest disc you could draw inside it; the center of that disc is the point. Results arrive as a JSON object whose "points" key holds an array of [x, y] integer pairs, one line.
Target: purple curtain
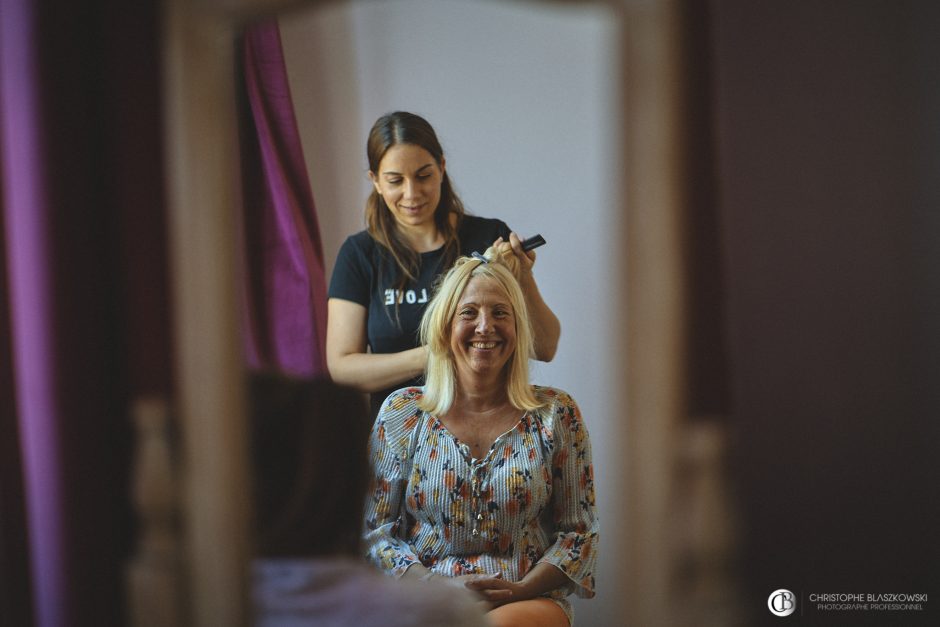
{"points": [[30, 295], [14, 557], [286, 286], [79, 133]]}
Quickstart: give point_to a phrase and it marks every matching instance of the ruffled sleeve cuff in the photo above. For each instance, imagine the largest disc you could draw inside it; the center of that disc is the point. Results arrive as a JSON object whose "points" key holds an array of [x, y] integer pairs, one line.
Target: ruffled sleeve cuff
{"points": [[574, 554]]}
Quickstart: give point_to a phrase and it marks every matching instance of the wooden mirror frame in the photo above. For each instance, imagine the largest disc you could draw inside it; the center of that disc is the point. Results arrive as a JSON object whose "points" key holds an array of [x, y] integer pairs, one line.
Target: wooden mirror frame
{"points": [[202, 163]]}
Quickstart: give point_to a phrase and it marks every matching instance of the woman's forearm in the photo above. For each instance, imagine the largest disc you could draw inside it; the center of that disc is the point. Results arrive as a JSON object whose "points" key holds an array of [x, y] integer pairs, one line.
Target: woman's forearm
{"points": [[372, 372], [544, 577], [546, 328]]}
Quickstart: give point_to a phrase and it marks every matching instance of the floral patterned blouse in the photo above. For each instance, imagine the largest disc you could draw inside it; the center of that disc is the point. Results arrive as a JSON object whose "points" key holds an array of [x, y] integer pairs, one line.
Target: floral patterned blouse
{"points": [[530, 500]]}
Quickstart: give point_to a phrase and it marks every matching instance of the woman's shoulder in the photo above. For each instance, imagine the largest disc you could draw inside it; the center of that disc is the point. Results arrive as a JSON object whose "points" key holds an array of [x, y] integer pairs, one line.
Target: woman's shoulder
{"points": [[473, 224], [400, 399], [478, 233], [360, 241], [357, 249], [473, 221], [558, 407], [553, 397], [400, 407], [398, 418], [354, 268]]}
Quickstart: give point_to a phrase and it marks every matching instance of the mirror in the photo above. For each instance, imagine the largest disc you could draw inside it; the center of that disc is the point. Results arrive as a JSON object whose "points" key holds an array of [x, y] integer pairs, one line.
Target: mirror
{"points": [[525, 100]]}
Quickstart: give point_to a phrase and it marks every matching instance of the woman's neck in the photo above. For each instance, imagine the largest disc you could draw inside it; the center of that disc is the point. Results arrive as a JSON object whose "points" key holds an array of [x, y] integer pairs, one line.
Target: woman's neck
{"points": [[481, 396], [422, 238]]}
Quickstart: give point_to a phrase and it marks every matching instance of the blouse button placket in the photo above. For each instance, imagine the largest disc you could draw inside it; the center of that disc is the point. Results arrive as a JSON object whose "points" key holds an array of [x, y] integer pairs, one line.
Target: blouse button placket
{"points": [[477, 478]]}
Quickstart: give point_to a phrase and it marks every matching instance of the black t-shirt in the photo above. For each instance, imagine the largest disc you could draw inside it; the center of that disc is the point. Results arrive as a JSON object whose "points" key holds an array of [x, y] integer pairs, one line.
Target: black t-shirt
{"points": [[366, 274]]}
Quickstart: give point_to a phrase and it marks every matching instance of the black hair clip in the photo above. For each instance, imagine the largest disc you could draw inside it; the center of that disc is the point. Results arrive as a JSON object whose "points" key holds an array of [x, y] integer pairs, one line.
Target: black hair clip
{"points": [[527, 244]]}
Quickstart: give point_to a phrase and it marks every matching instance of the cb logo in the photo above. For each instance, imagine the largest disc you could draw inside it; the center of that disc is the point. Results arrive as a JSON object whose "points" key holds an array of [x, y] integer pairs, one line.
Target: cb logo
{"points": [[781, 602]]}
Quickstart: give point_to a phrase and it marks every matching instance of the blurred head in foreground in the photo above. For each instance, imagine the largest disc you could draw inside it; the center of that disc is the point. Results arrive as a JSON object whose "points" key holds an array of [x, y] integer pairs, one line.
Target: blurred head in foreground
{"points": [[309, 440]]}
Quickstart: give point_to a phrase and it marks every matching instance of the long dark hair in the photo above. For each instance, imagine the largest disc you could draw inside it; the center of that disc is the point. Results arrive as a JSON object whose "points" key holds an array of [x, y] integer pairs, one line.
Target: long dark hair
{"points": [[389, 130]]}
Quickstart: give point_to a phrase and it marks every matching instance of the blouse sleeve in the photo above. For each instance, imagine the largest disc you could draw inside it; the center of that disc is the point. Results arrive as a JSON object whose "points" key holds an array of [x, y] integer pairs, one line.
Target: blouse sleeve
{"points": [[576, 529], [389, 452]]}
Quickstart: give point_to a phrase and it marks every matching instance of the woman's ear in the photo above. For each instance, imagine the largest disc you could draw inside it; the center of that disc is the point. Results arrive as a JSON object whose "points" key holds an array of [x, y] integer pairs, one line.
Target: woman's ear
{"points": [[443, 161], [375, 182]]}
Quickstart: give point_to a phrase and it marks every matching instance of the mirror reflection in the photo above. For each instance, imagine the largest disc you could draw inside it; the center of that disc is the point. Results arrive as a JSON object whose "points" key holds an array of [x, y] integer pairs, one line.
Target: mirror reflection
{"points": [[422, 150]]}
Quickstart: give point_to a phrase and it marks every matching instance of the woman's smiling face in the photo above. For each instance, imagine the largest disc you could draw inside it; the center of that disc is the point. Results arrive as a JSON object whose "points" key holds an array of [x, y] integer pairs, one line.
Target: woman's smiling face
{"points": [[483, 329], [409, 180]]}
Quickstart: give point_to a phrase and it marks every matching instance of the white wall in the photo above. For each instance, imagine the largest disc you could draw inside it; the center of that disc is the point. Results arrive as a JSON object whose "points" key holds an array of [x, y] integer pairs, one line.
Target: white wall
{"points": [[525, 100]]}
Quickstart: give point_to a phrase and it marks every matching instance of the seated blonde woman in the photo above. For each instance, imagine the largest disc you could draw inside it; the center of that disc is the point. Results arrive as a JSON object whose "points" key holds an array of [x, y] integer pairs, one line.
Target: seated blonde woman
{"points": [[481, 479]]}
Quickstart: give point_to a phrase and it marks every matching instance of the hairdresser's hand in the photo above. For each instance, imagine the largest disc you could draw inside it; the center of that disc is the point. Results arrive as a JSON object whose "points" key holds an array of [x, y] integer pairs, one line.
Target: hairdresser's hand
{"points": [[526, 259], [545, 326]]}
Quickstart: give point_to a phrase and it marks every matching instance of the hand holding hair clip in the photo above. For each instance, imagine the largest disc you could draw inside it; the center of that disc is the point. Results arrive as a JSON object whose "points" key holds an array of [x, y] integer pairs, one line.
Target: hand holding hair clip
{"points": [[533, 242], [528, 244]]}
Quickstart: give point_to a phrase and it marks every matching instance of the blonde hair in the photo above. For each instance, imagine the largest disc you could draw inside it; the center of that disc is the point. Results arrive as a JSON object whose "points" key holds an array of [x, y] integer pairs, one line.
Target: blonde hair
{"points": [[440, 376]]}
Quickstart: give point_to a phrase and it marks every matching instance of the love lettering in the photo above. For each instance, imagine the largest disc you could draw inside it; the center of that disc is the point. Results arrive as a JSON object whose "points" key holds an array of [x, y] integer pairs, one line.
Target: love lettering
{"points": [[410, 297]]}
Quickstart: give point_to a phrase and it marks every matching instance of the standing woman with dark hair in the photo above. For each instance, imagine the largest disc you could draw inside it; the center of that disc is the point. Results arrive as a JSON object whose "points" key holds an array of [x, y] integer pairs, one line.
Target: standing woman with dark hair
{"points": [[384, 275]]}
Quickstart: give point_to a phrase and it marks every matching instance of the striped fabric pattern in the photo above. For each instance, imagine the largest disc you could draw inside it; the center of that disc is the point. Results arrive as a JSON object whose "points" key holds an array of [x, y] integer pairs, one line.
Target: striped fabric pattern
{"points": [[530, 500]]}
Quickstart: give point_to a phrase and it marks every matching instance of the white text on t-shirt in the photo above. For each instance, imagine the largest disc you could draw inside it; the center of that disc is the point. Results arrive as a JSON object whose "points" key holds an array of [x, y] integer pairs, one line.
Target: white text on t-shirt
{"points": [[407, 296]]}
